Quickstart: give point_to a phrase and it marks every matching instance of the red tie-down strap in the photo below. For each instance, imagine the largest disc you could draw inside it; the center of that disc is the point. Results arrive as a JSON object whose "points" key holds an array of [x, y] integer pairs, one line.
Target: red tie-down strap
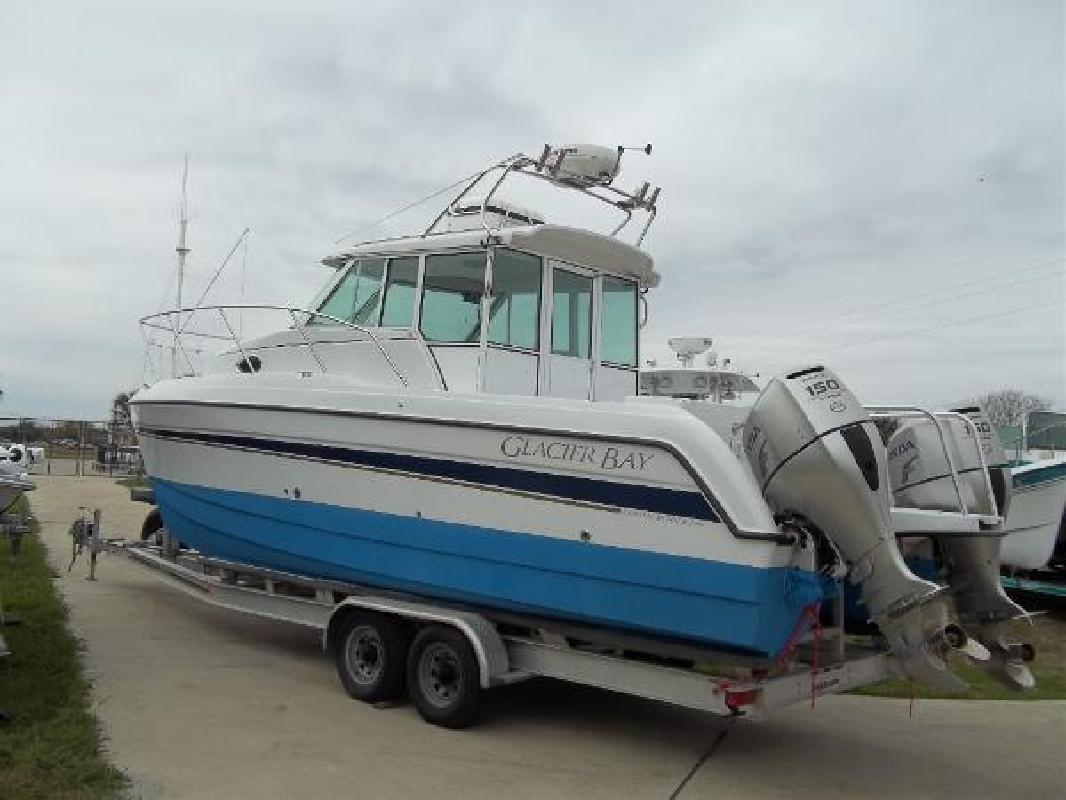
{"points": [[809, 619]]}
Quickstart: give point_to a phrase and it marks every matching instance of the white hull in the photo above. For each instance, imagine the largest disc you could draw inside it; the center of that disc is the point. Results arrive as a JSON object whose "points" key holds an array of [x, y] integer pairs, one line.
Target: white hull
{"points": [[1036, 514]]}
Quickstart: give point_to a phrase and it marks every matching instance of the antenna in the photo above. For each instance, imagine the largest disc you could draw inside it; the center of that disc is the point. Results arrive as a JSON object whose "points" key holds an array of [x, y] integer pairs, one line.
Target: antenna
{"points": [[182, 250]]}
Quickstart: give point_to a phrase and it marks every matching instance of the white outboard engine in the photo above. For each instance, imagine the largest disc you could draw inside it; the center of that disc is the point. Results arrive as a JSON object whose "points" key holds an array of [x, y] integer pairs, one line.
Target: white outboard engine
{"points": [[921, 473], [818, 455], [922, 477]]}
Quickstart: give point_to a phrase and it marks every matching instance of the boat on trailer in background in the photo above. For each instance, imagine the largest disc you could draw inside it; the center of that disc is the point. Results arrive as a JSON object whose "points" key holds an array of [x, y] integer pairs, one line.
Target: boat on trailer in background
{"points": [[14, 479], [457, 420], [1036, 526]]}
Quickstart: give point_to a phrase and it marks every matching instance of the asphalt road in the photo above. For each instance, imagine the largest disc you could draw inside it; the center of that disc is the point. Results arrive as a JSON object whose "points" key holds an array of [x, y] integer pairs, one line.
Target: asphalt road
{"points": [[198, 702]]}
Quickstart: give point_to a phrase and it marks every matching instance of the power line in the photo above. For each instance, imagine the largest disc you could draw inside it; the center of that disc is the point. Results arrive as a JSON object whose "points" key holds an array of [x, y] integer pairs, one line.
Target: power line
{"points": [[1043, 265], [950, 324], [948, 299]]}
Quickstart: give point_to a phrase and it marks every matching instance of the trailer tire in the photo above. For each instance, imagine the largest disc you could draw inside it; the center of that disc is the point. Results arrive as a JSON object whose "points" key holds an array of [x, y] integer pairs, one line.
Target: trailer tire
{"points": [[371, 655], [444, 678]]}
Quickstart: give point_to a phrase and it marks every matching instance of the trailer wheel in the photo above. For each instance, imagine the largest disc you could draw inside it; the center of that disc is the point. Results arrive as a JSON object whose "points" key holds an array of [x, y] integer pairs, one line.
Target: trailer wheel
{"points": [[443, 677], [371, 653]]}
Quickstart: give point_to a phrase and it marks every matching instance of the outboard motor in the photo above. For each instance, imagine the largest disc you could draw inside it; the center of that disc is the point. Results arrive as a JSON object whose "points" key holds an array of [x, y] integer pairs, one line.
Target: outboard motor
{"points": [[817, 454], [921, 474]]}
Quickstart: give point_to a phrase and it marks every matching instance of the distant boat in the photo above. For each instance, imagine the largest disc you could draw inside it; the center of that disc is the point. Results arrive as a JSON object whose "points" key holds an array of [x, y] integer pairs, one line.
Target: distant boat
{"points": [[1037, 515], [13, 479]]}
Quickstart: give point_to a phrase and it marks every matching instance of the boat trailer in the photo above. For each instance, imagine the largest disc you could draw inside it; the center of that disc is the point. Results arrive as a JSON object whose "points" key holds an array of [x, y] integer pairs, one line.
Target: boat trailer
{"points": [[357, 623]]}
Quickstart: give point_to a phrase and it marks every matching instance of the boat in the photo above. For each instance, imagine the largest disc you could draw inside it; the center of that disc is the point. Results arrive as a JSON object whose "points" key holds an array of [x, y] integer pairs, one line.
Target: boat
{"points": [[1036, 525], [14, 481], [457, 417], [713, 382]]}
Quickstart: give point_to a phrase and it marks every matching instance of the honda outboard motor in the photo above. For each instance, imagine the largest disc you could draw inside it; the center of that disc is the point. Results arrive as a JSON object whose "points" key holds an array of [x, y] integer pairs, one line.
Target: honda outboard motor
{"points": [[818, 455], [921, 474]]}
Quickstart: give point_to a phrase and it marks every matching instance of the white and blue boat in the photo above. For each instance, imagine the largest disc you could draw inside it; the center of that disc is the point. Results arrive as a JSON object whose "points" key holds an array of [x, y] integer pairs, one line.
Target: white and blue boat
{"points": [[1037, 518], [456, 418]]}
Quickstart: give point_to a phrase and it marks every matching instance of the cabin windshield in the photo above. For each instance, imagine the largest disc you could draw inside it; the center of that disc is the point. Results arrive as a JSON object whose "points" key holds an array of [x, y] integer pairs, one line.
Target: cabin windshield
{"points": [[501, 320], [452, 288], [355, 298]]}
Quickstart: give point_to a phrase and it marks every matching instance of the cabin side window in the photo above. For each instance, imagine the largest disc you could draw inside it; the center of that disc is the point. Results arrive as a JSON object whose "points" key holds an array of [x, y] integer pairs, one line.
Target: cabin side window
{"points": [[571, 314], [355, 298], [452, 290], [514, 313], [618, 322], [398, 308]]}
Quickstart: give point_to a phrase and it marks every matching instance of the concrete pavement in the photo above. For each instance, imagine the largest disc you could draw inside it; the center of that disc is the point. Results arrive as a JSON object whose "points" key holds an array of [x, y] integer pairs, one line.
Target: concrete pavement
{"points": [[197, 702]]}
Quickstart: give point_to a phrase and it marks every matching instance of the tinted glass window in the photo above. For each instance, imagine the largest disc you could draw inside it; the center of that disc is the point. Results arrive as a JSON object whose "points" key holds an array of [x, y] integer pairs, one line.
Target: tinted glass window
{"points": [[618, 322], [514, 314], [355, 298], [339, 302], [452, 288], [399, 308], [368, 292], [571, 314]]}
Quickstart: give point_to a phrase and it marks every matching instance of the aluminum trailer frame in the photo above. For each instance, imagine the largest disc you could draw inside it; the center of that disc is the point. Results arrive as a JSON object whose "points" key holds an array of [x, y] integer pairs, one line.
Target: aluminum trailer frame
{"points": [[505, 657]]}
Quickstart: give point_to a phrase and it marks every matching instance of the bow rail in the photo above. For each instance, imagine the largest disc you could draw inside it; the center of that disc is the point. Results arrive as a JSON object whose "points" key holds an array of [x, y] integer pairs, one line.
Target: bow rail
{"points": [[176, 323]]}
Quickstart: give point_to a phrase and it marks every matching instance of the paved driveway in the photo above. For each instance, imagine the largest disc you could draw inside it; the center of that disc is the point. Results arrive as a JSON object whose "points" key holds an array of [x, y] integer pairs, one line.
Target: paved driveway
{"points": [[198, 702]]}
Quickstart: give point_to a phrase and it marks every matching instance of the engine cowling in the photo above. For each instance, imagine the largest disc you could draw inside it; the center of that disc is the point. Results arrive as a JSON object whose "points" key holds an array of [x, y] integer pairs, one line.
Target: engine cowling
{"points": [[921, 474]]}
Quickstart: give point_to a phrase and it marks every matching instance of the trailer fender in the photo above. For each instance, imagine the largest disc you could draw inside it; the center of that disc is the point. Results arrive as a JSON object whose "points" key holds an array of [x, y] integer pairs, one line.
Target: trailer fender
{"points": [[493, 662]]}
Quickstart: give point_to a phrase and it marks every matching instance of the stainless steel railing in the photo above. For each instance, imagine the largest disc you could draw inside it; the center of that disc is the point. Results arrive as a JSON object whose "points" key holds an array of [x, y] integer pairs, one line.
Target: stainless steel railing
{"points": [[934, 418], [176, 323]]}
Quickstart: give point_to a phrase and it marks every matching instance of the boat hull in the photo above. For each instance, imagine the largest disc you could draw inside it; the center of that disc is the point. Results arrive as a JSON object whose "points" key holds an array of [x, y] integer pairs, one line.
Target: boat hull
{"points": [[727, 606], [1036, 515], [587, 537]]}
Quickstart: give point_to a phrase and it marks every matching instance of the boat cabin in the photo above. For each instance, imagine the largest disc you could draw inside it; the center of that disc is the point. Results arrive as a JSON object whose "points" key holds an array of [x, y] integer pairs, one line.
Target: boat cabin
{"points": [[489, 298], [534, 309]]}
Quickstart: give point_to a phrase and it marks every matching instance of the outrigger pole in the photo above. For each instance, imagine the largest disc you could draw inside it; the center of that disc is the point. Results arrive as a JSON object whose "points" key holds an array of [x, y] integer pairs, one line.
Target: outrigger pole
{"points": [[182, 251]]}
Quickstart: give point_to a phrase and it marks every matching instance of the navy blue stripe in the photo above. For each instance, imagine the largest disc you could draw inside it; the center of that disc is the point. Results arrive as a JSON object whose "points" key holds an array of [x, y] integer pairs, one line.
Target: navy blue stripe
{"points": [[1035, 477], [645, 498]]}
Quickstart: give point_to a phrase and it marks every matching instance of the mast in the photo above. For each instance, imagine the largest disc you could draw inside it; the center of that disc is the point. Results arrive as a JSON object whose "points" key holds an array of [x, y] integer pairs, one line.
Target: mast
{"points": [[182, 250]]}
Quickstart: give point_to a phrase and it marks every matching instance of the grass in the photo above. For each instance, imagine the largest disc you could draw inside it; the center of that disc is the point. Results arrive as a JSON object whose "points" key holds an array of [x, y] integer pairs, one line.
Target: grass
{"points": [[51, 745], [1048, 636], [133, 481]]}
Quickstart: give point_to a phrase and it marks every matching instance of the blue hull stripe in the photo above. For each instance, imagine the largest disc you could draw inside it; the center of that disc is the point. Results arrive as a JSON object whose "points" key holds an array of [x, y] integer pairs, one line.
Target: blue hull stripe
{"points": [[745, 609], [1037, 477], [590, 490]]}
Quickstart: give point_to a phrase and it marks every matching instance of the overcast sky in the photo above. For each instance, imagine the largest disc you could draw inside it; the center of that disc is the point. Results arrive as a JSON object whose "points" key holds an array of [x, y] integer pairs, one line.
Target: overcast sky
{"points": [[874, 186]]}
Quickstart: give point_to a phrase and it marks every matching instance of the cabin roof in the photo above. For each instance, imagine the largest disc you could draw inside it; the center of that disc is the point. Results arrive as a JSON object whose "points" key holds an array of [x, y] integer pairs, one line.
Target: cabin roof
{"points": [[574, 245]]}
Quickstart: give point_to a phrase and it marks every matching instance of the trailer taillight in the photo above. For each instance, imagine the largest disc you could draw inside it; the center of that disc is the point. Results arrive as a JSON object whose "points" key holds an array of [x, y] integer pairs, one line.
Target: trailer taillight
{"points": [[735, 700]]}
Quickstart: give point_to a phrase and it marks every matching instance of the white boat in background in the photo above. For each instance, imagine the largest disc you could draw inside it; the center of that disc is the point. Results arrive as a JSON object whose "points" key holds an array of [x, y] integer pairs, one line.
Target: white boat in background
{"points": [[1037, 518], [14, 481], [457, 419], [717, 383]]}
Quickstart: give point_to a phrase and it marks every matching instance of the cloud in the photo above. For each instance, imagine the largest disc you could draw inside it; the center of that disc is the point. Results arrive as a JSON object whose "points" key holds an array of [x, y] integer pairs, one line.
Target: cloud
{"points": [[817, 159]]}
